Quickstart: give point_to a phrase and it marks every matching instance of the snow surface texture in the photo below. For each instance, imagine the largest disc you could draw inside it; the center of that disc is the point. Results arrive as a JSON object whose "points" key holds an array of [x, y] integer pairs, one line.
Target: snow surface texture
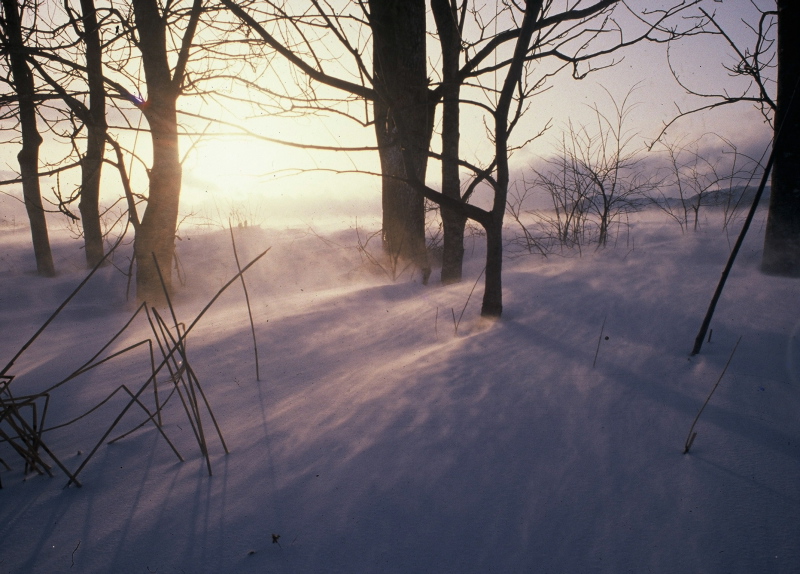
{"points": [[378, 440]]}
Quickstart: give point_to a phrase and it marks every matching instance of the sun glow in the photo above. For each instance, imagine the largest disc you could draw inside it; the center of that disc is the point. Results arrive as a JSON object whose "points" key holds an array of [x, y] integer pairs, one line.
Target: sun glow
{"points": [[288, 184]]}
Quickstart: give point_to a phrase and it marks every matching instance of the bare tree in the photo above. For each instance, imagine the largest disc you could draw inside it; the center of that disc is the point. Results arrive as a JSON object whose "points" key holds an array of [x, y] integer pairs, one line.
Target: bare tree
{"points": [[600, 167], [403, 102], [396, 84], [596, 176], [402, 96], [450, 22], [156, 235], [504, 121], [699, 174], [752, 65], [79, 115], [92, 161], [22, 79], [537, 38], [504, 118], [755, 63], [566, 34], [566, 223], [83, 88]]}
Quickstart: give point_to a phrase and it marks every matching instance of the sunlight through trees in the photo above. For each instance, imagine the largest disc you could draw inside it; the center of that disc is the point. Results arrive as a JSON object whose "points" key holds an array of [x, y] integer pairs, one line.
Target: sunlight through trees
{"points": [[145, 77]]}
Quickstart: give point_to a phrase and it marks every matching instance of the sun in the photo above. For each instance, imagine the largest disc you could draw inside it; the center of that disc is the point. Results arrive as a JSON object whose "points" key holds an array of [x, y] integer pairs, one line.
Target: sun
{"points": [[291, 184]]}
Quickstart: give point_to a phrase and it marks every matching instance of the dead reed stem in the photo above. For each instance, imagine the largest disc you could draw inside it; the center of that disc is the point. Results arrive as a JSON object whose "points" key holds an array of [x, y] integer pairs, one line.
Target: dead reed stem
{"points": [[246, 298], [691, 437]]}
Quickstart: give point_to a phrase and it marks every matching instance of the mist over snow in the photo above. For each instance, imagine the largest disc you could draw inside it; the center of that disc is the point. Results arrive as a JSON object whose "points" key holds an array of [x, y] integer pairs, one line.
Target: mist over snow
{"points": [[379, 440]]}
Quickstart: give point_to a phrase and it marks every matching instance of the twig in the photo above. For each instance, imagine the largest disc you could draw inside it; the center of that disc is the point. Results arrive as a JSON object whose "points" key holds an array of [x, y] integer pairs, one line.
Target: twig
{"points": [[468, 298], [599, 339], [246, 298], [60, 307], [165, 361], [181, 348], [691, 437]]}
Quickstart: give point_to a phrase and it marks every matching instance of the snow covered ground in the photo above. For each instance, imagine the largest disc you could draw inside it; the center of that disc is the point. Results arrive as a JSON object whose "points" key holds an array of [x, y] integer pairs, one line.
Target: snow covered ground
{"points": [[378, 440]]}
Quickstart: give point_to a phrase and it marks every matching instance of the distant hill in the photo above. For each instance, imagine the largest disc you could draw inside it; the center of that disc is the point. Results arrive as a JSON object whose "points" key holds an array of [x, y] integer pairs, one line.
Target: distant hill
{"points": [[743, 195]]}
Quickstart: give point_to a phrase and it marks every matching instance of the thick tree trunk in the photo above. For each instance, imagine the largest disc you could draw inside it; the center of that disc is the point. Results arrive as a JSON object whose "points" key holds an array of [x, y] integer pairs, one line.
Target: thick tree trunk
{"points": [[31, 140], [493, 290], [403, 117], [92, 162], [403, 208], [453, 223], [453, 246], [782, 238], [157, 231]]}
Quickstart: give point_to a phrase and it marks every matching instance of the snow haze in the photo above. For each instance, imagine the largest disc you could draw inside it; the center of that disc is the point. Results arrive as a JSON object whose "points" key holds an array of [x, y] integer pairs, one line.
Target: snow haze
{"points": [[378, 440]]}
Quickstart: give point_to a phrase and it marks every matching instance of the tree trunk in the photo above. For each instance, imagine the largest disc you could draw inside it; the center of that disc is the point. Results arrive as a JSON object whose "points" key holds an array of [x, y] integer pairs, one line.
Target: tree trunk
{"points": [[402, 112], [92, 162], [603, 235], [157, 231], [782, 238], [493, 293], [493, 290], [31, 140], [453, 223]]}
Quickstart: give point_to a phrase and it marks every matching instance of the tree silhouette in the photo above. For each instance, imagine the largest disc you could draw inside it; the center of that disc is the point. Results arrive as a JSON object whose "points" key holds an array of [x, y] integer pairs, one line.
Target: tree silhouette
{"points": [[782, 236], [402, 96], [156, 234], [23, 84]]}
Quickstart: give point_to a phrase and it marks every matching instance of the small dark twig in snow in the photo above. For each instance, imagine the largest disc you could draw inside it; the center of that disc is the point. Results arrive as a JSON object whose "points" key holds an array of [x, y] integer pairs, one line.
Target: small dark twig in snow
{"points": [[599, 339], [73, 554]]}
